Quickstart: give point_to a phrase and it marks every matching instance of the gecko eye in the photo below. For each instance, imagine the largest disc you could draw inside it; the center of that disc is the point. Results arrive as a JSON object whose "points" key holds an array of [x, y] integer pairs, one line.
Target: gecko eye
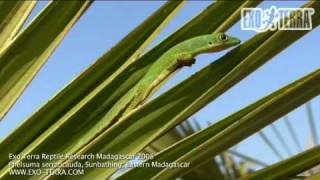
{"points": [[210, 42], [223, 37]]}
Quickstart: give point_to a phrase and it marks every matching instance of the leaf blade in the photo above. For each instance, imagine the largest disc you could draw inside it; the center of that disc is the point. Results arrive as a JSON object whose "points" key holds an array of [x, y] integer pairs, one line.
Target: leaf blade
{"points": [[18, 69], [200, 25], [81, 86], [289, 167], [289, 99], [155, 121], [12, 17], [173, 152]]}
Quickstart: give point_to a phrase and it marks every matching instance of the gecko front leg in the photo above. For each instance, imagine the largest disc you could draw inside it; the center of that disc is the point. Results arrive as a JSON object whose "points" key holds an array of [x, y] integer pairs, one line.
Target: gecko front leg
{"points": [[185, 59]]}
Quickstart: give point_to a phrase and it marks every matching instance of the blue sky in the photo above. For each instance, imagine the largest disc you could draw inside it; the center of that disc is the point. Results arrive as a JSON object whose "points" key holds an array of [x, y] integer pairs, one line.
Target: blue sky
{"points": [[106, 22]]}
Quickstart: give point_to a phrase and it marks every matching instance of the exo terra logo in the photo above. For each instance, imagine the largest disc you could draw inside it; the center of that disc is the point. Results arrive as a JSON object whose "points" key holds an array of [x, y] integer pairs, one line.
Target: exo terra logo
{"points": [[261, 20]]}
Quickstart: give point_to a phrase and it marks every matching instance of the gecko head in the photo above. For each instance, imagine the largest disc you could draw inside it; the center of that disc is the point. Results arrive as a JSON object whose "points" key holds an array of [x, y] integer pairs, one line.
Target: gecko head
{"points": [[217, 42]]}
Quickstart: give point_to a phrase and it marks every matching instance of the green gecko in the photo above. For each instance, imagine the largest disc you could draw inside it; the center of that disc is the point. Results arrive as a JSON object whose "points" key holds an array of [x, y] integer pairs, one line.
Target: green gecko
{"points": [[180, 55]]}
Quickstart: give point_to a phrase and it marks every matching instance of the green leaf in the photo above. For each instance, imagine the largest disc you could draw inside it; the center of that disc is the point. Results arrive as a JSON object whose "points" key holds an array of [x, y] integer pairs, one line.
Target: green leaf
{"points": [[199, 25], [179, 149], [314, 177], [166, 140], [247, 159], [294, 95], [163, 113], [75, 124], [12, 16], [210, 169], [206, 171], [20, 61], [80, 88], [289, 167], [233, 18]]}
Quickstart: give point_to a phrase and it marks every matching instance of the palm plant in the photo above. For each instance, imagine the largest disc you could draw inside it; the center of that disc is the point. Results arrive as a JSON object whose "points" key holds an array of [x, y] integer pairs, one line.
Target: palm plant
{"points": [[77, 111]]}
